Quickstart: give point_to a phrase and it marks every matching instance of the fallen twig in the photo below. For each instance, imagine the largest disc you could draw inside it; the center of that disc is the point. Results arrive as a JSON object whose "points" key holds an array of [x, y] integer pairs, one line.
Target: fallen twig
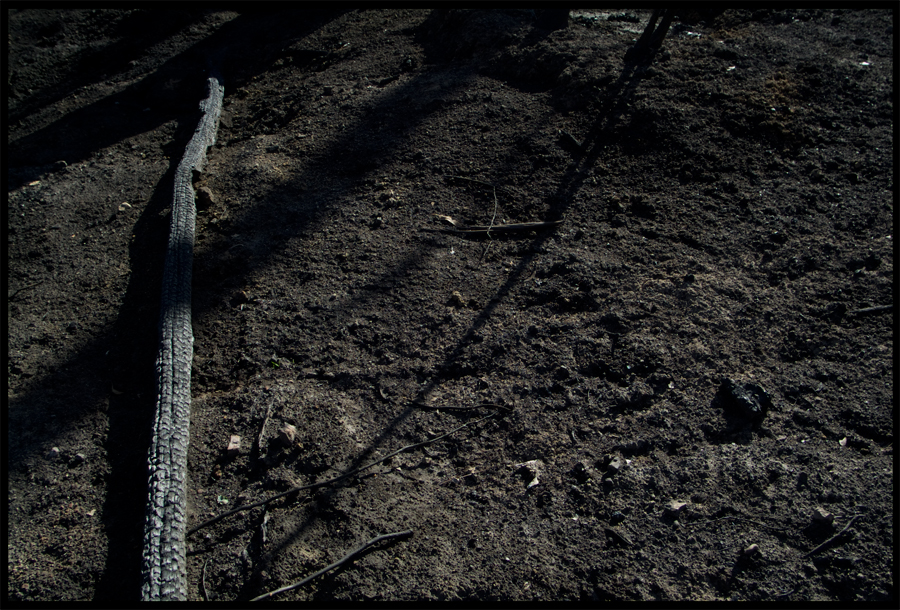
{"points": [[336, 564], [24, 288], [263, 530], [490, 226], [876, 309], [203, 581], [481, 182], [262, 430], [486, 230], [483, 405], [494, 217], [735, 518], [787, 593], [335, 479], [828, 542]]}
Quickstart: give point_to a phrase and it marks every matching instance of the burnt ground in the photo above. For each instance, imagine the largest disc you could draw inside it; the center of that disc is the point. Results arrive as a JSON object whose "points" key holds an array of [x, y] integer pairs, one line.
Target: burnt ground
{"points": [[691, 357]]}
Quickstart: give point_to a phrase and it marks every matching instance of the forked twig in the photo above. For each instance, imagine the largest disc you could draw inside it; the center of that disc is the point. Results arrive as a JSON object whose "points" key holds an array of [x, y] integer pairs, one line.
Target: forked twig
{"points": [[336, 564]]}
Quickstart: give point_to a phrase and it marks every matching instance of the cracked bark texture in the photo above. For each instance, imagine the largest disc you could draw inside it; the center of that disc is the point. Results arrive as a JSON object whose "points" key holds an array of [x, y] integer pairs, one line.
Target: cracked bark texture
{"points": [[164, 568]]}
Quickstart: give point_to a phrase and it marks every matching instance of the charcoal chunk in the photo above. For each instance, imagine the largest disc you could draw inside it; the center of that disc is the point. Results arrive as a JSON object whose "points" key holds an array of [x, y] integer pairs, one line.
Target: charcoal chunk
{"points": [[747, 400]]}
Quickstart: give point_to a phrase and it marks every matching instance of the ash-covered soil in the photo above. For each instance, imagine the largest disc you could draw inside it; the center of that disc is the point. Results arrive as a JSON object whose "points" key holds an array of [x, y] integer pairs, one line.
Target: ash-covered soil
{"points": [[695, 367]]}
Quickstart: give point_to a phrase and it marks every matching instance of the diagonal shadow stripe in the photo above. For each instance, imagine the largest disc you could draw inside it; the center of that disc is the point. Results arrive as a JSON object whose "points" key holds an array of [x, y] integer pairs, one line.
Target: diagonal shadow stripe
{"points": [[132, 338], [619, 94]]}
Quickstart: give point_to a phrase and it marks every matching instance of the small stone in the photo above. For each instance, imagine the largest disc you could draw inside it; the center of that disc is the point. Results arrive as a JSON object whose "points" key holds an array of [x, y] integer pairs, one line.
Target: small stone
{"points": [[753, 549], [78, 459], [675, 507], [54, 453], [457, 300], [820, 515], [615, 465], [287, 434], [532, 470], [234, 446]]}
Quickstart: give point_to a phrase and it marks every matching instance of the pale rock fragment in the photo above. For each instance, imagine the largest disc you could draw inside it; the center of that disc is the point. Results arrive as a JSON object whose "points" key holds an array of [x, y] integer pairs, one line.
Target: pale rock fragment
{"points": [[820, 515], [675, 507], [287, 434], [753, 549], [234, 446], [532, 469]]}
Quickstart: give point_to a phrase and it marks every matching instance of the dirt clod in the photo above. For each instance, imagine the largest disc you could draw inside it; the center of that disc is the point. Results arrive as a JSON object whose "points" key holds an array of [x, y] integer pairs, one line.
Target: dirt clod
{"points": [[747, 399]]}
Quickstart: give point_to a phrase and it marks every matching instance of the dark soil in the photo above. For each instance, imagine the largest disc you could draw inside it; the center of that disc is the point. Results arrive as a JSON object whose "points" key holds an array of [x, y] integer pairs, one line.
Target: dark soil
{"points": [[688, 356]]}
